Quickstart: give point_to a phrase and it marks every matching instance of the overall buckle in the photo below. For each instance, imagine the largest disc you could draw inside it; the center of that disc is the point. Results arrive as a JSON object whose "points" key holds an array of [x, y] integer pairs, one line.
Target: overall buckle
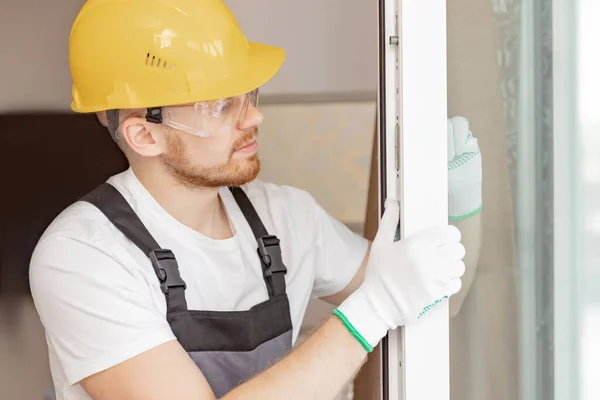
{"points": [[270, 255], [167, 270]]}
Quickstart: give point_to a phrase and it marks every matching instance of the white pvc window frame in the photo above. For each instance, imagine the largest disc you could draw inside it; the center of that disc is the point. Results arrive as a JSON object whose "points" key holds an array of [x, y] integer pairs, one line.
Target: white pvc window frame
{"points": [[412, 144]]}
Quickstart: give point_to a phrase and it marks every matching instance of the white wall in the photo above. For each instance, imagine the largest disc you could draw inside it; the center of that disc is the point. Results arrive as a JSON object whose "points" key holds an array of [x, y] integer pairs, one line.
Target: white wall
{"points": [[331, 48]]}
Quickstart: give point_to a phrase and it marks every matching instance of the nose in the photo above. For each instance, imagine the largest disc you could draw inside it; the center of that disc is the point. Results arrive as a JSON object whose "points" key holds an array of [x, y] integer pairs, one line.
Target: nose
{"points": [[253, 117]]}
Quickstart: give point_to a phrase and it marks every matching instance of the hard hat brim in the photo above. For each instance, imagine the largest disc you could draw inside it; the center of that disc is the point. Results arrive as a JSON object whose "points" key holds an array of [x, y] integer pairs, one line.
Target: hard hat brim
{"points": [[263, 62]]}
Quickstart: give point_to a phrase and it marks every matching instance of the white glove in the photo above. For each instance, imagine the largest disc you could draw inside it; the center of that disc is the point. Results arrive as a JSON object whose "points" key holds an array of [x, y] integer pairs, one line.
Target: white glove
{"points": [[464, 171], [402, 278]]}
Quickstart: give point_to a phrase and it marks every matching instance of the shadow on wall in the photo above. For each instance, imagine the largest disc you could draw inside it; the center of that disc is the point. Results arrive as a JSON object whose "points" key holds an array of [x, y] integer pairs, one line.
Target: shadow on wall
{"points": [[53, 160]]}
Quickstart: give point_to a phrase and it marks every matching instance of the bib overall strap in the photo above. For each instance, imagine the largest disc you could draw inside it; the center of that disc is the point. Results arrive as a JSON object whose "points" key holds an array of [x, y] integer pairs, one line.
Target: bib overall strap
{"points": [[118, 211], [269, 250]]}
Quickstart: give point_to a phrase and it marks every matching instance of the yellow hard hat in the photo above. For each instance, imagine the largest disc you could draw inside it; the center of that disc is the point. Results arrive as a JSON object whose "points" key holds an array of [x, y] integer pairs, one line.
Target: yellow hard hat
{"points": [[151, 53]]}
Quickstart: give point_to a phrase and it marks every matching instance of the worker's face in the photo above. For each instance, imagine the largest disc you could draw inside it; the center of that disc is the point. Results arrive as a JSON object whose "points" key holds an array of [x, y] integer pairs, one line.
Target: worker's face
{"points": [[227, 159]]}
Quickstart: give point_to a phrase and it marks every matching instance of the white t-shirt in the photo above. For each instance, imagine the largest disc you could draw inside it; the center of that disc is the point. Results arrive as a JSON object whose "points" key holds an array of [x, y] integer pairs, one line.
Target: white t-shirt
{"points": [[99, 298]]}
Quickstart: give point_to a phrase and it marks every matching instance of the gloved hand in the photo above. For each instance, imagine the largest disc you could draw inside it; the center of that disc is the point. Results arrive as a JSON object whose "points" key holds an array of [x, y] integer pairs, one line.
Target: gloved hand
{"points": [[464, 171], [402, 278]]}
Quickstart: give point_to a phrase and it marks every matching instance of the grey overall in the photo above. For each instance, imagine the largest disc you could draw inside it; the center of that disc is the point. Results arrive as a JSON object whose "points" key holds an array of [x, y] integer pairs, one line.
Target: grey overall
{"points": [[229, 347]]}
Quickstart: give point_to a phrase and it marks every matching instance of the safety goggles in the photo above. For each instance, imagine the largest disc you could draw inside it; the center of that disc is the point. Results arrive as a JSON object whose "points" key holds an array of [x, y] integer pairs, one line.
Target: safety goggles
{"points": [[205, 118]]}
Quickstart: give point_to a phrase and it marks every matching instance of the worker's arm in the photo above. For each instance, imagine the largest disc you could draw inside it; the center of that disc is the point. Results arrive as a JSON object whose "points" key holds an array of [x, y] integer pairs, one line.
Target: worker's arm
{"points": [[357, 280], [471, 238]]}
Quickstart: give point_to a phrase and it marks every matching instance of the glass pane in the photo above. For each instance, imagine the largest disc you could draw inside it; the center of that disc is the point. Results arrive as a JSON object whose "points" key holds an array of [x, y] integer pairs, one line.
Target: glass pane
{"points": [[500, 78], [526, 76]]}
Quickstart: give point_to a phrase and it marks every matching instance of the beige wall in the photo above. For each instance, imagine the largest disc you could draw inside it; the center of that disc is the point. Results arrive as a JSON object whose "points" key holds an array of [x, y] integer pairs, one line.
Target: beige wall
{"points": [[322, 148]]}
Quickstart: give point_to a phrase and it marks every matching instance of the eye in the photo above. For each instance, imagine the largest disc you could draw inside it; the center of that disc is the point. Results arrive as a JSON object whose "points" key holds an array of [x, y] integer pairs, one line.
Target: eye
{"points": [[222, 106]]}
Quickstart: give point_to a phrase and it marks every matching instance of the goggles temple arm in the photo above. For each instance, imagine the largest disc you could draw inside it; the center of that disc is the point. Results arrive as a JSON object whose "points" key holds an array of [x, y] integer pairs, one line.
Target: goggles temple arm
{"points": [[112, 122], [154, 115]]}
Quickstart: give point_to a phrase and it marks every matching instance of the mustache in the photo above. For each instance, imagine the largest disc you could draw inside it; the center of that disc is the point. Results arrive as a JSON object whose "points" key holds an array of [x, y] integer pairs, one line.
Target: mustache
{"points": [[244, 139]]}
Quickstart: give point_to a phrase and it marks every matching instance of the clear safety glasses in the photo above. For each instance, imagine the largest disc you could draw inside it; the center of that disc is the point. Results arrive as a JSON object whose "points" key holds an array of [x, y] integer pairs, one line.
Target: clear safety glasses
{"points": [[206, 118]]}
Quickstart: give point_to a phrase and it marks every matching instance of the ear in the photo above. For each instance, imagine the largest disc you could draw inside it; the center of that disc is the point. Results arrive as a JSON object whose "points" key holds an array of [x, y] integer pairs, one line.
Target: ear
{"points": [[143, 137]]}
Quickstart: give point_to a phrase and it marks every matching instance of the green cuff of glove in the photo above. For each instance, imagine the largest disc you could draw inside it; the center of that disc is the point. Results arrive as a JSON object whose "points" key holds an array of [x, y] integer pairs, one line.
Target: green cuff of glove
{"points": [[466, 216], [353, 330]]}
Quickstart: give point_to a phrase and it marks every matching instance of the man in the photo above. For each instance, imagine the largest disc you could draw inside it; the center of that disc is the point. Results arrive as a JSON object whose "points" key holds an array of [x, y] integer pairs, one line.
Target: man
{"points": [[184, 277]]}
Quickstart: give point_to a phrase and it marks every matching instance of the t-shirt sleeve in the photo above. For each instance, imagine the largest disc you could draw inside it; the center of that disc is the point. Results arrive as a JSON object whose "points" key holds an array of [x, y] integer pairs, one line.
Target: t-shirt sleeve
{"points": [[96, 312], [340, 253]]}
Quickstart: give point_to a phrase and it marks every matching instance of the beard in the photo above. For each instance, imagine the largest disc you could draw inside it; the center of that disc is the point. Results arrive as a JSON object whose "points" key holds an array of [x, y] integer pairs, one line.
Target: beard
{"points": [[235, 172]]}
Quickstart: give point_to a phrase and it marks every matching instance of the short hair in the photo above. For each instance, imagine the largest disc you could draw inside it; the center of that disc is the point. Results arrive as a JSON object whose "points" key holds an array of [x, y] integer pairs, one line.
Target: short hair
{"points": [[112, 119]]}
